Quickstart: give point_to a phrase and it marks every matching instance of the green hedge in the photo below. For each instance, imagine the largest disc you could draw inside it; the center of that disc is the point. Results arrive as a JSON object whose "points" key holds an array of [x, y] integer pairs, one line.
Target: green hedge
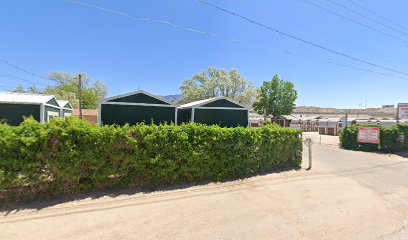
{"points": [[388, 138], [70, 156]]}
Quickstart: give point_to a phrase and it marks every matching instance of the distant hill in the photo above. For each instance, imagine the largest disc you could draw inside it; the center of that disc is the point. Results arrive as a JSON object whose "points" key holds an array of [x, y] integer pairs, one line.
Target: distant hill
{"points": [[173, 98]]}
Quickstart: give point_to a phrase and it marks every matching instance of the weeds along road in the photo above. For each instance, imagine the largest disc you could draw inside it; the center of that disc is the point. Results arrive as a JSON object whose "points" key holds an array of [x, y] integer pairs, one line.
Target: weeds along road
{"points": [[347, 195]]}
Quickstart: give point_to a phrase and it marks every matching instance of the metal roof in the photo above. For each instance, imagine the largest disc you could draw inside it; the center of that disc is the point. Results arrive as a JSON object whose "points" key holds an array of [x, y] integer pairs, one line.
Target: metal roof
{"points": [[209, 100], [62, 103], [138, 92], [28, 98]]}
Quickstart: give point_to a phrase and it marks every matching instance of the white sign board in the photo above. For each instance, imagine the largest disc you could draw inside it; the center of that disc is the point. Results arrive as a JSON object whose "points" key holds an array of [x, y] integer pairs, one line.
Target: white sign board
{"points": [[368, 135], [403, 110], [295, 125]]}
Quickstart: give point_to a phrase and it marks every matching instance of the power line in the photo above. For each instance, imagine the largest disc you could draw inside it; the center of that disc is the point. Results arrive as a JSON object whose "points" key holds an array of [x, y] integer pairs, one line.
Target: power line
{"points": [[370, 51], [349, 66], [232, 39], [12, 77], [24, 70], [366, 17], [354, 21], [165, 22], [152, 20], [376, 14], [6, 88], [303, 40]]}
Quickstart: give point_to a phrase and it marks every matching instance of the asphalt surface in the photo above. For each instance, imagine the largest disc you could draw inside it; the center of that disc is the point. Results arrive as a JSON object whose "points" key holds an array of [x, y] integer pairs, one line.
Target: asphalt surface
{"points": [[346, 195]]}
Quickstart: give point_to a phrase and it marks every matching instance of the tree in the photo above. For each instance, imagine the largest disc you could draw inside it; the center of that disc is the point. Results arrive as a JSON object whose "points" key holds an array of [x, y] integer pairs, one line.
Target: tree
{"points": [[67, 88], [30, 89], [19, 89], [276, 97], [217, 82], [33, 89]]}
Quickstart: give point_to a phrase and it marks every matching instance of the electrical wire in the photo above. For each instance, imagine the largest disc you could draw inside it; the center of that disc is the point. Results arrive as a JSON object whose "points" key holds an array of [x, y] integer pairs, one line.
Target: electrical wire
{"points": [[152, 20], [24, 70], [366, 17], [354, 21], [368, 50], [6, 88], [301, 39], [230, 39], [12, 77], [378, 15]]}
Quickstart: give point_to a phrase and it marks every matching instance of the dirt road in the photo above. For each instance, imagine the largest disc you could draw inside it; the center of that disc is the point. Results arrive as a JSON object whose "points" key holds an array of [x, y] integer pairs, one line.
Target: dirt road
{"points": [[347, 195]]}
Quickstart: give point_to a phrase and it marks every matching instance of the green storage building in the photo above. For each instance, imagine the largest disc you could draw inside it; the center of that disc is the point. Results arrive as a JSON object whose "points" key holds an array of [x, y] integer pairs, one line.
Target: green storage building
{"points": [[66, 108], [15, 106], [136, 107], [217, 110]]}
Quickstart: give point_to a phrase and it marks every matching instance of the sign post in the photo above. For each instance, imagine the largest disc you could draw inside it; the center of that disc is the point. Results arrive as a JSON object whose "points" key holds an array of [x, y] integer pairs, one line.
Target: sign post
{"points": [[402, 111], [308, 142], [368, 135]]}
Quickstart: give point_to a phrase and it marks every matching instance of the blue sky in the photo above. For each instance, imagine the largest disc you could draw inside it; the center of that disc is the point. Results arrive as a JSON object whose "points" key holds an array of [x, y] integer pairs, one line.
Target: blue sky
{"points": [[127, 54]]}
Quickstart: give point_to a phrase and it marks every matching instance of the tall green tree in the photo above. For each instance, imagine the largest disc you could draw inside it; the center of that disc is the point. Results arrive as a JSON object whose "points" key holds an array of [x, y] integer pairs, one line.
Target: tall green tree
{"points": [[66, 87], [276, 97], [30, 89], [19, 89], [216, 82]]}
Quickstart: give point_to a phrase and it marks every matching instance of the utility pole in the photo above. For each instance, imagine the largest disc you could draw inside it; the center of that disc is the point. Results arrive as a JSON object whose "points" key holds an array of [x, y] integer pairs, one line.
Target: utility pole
{"points": [[346, 119], [80, 95], [397, 117]]}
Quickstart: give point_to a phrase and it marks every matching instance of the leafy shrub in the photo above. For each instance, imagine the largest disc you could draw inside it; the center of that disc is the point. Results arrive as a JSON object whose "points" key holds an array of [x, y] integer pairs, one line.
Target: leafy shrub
{"points": [[70, 156], [404, 130], [388, 138]]}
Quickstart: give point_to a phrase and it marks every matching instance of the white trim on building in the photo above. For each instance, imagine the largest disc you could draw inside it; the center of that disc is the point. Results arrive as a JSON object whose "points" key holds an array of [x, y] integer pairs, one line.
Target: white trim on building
{"points": [[42, 113], [137, 104], [51, 115], [98, 121], [134, 93], [210, 100]]}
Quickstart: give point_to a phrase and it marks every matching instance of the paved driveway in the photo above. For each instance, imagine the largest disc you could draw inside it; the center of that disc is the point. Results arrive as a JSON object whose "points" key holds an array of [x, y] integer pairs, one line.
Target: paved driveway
{"points": [[347, 195]]}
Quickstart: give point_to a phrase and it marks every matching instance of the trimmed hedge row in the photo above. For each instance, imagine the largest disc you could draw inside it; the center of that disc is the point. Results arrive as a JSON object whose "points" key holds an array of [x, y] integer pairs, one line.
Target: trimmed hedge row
{"points": [[70, 156], [388, 138]]}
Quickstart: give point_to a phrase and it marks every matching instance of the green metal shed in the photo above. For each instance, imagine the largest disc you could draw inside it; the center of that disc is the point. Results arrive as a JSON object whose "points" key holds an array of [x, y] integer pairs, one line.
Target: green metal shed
{"points": [[136, 107], [15, 106], [218, 110], [66, 108]]}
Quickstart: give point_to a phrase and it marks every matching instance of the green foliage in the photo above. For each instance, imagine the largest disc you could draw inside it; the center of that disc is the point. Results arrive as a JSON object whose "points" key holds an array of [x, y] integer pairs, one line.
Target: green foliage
{"points": [[388, 138], [19, 89], [30, 89], [267, 122], [66, 88], [217, 82], [70, 156], [276, 97]]}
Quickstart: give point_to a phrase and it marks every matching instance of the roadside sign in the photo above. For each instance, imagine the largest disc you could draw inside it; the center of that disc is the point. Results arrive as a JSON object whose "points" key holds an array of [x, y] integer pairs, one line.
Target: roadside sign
{"points": [[368, 135], [403, 110], [295, 125], [401, 139], [308, 142]]}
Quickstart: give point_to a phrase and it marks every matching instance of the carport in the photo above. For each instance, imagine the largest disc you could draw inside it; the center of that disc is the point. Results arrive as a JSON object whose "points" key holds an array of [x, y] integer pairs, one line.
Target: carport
{"points": [[217, 110], [15, 106], [66, 108], [136, 107]]}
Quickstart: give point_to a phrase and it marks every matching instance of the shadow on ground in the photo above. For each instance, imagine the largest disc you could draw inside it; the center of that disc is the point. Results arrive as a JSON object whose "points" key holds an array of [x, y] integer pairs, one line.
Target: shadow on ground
{"points": [[43, 202], [402, 154]]}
